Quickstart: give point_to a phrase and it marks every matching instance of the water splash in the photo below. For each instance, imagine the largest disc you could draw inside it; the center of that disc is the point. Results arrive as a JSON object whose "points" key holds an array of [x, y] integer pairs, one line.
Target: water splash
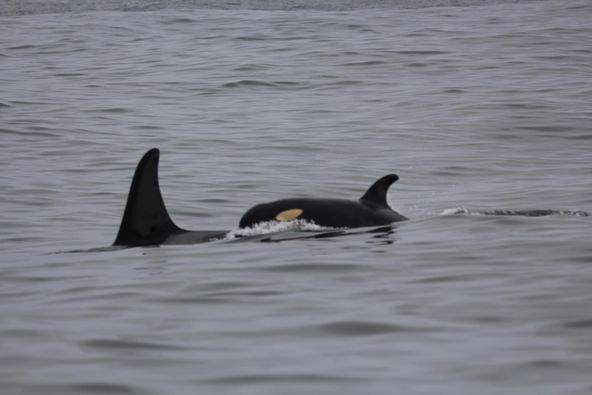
{"points": [[264, 228], [524, 213]]}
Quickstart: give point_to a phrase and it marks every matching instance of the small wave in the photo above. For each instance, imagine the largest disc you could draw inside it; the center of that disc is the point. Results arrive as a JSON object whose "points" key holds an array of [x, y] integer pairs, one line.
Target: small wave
{"points": [[280, 378], [112, 110], [30, 132], [584, 324], [181, 20], [84, 387], [90, 250], [128, 345], [365, 328], [501, 212], [261, 84], [101, 388], [420, 53], [247, 83], [367, 63], [314, 267]]}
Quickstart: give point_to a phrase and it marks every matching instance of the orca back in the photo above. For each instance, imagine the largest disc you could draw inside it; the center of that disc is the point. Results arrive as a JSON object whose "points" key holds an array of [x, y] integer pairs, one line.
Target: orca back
{"points": [[372, 209], [146, 220]]}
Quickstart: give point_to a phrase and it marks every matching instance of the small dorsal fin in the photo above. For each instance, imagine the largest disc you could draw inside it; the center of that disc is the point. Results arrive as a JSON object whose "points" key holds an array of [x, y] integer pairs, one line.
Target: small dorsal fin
{"points": [[145, 219], [377, 192]]}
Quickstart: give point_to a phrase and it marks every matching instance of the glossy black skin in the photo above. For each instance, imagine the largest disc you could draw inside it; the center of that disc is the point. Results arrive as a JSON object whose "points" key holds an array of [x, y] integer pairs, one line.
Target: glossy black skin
{"points": [[334, 213], [146, 220], [370, 210]]}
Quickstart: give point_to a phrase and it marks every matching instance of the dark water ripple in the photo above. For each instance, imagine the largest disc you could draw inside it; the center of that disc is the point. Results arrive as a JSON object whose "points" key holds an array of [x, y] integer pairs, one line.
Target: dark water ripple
{"points": [[79, 388], [360, 328], [279, 378], [282, 85], [122, 345]]}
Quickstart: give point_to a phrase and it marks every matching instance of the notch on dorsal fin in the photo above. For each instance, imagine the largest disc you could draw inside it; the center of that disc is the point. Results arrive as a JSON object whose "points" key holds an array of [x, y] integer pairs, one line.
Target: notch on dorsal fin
{"points": [[376, 194], [145, 220]]}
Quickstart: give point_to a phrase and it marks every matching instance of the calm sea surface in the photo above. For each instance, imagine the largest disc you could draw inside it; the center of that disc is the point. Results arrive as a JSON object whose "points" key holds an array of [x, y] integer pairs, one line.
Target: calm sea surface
{"points": [[476, 105]]}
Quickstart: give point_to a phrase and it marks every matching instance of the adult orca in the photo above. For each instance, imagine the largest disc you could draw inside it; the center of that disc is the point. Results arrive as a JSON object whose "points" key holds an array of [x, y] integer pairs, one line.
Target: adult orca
{"points": [[146, 220], [371, 209]]}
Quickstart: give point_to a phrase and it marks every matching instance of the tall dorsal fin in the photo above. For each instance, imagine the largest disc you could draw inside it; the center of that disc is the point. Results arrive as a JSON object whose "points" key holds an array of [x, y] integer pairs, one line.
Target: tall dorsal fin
{"points": [[377, 192], [145, 219]]}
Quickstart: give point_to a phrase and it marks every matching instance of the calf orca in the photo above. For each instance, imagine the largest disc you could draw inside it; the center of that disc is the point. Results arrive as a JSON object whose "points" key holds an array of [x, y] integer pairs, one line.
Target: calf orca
{"points": [[371, 209], [146, 220]]}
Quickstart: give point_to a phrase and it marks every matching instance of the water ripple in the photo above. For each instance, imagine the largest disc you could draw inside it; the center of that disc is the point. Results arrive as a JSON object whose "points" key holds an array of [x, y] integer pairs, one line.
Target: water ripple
{"points": [[128, 345], [264, 84], [366, 328], [281, 378]]}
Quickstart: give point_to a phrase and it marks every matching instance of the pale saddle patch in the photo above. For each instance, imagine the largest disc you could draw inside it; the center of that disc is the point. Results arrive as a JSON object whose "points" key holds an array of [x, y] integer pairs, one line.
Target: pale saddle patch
{"points": [[289, 215]]}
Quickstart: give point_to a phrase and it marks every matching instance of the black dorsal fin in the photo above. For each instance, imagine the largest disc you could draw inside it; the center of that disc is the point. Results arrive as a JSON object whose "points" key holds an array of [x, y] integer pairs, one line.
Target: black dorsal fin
{"points": [[145, 219], [376, 194]]}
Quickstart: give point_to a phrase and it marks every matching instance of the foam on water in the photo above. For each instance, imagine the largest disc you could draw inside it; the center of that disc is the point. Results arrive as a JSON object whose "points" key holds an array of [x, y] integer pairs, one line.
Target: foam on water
{"points": [[501, 212], [269, 227]]}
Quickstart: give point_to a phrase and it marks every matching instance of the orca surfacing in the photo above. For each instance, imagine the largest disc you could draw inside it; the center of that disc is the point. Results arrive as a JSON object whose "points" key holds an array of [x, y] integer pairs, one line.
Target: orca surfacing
{"points": [[146, 220], [371, 209]]}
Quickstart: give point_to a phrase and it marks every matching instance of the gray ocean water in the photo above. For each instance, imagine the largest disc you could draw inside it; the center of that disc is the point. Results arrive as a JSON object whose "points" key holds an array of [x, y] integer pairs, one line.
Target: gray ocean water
{"points": [[477, 106]]}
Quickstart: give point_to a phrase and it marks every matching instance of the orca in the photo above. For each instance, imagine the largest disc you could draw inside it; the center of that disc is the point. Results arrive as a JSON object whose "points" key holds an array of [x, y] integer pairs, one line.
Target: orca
{"points": [[371, 209], [146, 221]]}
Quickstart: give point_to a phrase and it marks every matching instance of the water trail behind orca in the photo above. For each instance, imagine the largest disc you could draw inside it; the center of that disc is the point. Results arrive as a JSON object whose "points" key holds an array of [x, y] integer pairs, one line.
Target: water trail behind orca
{"points": [[506, 212]]}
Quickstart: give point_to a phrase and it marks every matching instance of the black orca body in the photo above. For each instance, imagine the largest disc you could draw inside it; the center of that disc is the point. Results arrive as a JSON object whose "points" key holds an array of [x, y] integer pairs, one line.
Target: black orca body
{"points": [[371, 209], [146, 220]]}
